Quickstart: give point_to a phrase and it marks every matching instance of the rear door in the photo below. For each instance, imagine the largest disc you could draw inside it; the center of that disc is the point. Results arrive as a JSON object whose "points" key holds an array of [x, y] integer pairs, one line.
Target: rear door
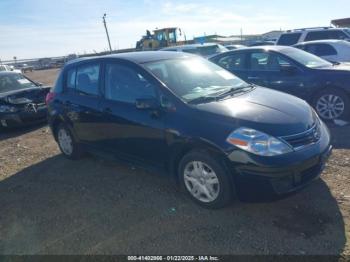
{"points": [[81, 100], [235, 63], [132, 133], [258, 72]]}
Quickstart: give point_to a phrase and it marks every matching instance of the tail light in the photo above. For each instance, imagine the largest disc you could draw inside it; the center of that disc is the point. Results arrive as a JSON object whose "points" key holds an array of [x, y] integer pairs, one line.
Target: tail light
{"points": [[49, 97]]}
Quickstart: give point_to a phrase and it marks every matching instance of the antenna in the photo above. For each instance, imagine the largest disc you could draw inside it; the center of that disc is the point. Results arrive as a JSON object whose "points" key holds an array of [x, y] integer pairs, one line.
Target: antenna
{"points": [[105, 24]]}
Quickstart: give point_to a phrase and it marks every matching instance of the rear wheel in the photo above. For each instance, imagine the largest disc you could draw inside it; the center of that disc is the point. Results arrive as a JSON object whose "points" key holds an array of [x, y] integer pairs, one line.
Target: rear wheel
{"points": [[332, 104], [205, 180], [67, 144]]}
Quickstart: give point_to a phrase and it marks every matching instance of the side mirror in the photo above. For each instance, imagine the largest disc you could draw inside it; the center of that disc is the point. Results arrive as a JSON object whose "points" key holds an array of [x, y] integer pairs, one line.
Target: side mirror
{"points": [[146, 103], [288, 69]]}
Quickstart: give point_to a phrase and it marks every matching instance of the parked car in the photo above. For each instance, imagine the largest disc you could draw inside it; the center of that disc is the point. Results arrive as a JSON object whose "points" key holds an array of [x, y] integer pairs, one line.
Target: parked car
{"points": [[234, 47], [22, 101], [8, 68], [205, 50], [24, 68], [211, 131], [288, 69], [292, 37], [262, 43], [331, 50]]}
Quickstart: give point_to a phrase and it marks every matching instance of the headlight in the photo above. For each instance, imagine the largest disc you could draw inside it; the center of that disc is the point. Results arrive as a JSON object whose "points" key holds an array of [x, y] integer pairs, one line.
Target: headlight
{"points": [[7, 109], [257, 142]]}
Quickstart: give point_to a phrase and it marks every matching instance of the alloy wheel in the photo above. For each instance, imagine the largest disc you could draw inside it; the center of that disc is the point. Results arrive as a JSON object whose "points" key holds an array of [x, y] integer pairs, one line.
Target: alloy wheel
{"points": [[330, 106]]}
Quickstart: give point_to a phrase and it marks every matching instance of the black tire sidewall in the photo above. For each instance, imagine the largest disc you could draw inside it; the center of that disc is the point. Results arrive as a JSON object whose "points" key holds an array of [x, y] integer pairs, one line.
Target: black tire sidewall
{"points": [[226, 187], [337, 92]]}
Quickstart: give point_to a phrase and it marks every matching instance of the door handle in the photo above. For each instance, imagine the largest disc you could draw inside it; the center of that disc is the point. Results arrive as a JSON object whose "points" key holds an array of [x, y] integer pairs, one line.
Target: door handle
{"points": [[253, 77], [107, 110]]}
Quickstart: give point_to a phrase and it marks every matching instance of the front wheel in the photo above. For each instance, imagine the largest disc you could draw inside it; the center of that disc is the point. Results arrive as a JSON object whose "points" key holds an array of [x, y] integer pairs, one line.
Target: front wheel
{"points": [[205, 180], [332, 104]]}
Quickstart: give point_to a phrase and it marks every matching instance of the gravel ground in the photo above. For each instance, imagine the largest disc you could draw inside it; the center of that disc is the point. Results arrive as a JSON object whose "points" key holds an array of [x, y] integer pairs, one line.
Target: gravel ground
{"points": [[51, 205]]}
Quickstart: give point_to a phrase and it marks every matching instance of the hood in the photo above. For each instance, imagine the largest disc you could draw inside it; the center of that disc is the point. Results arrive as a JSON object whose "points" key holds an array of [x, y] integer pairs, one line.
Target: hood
{"points": [[342, 67], [24, 96], [266, 110]]}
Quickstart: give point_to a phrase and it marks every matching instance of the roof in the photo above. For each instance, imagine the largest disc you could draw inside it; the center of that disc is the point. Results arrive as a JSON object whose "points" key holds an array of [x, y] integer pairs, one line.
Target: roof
{"points": [[138, 57], [190, 46], [325, 41], [276, 48], [8, 73]]}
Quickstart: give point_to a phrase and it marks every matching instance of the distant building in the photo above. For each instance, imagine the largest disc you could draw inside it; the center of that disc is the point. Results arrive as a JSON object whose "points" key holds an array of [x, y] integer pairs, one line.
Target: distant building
{"points": [[345, 22], [238, 39]]}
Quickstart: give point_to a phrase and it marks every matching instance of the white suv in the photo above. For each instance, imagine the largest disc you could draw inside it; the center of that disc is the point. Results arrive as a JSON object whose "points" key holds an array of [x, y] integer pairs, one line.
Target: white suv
{"points": [[292, 37], [331, 50]]}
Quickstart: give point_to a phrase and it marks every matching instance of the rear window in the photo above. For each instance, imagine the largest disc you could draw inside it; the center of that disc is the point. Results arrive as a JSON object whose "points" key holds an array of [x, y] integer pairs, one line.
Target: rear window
{"points": [[289, 39]]}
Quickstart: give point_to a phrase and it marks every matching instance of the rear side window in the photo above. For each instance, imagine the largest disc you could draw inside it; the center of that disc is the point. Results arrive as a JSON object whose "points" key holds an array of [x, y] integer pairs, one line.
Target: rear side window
{"points": [[87, 79], [317, 35], [58, 87], [258, 61], [321, 49], [325, 34], [289, 39], [232, 62], [71, 76], [267, 61]]}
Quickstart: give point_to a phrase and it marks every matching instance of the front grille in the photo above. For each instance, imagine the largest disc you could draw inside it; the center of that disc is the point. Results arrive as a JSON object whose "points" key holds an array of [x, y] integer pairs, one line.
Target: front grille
{"points": [[308, 137]]}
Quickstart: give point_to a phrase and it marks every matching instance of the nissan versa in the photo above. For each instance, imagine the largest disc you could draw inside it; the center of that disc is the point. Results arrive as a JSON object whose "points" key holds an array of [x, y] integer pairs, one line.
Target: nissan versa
{"points": [[212, 131]]}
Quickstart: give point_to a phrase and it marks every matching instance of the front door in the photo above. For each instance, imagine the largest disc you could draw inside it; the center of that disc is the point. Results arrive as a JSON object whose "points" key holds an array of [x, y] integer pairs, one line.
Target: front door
{"points": [[131, 132]]}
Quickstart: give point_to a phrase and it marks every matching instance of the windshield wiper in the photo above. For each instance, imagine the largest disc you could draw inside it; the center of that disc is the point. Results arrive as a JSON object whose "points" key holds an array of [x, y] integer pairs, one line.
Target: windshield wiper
{"points": [[234, 91], [202, 99]]}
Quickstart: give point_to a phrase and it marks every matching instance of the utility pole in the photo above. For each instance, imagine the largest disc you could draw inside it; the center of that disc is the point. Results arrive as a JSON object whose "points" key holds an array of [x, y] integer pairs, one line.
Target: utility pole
{"points": [[105, 24]]}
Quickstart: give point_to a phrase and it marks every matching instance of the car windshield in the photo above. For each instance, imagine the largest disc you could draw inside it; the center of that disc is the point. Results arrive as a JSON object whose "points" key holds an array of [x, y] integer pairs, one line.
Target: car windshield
{"points": [[13, 82], [348, 31], [194, 78], [306, 59]]}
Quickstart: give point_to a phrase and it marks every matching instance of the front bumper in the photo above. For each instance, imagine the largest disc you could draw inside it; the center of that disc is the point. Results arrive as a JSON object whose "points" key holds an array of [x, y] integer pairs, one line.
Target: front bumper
{"points": [[23, 118], [281, 174]]}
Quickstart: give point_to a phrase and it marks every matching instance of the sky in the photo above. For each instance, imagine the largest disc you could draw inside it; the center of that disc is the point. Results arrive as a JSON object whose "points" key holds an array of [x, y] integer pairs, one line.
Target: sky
{"points": [[44, 28]]}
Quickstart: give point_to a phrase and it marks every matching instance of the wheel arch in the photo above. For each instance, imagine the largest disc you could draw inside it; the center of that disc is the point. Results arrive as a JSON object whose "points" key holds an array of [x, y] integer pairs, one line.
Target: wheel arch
{"points": [[179, 150], [325, 87], [55, 124]]}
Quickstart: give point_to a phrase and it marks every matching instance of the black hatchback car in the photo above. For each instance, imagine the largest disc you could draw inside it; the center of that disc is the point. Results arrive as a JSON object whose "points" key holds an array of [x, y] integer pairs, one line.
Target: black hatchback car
{"points": [[324, 85], [209, 129], [22, 101]]}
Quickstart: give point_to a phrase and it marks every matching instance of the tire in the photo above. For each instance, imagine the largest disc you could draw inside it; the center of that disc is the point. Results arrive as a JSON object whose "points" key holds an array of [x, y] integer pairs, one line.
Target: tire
{"points": [[209, 194], [331, 104], [67, 144]]}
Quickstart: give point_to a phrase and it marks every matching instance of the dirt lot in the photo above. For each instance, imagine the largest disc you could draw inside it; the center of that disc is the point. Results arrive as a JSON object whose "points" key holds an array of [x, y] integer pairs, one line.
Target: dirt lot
{"points": [[50, 205]]}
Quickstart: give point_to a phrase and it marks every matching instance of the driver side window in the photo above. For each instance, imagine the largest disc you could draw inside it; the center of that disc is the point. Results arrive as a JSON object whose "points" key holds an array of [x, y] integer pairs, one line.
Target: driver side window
{"points": [[125, 84]]}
